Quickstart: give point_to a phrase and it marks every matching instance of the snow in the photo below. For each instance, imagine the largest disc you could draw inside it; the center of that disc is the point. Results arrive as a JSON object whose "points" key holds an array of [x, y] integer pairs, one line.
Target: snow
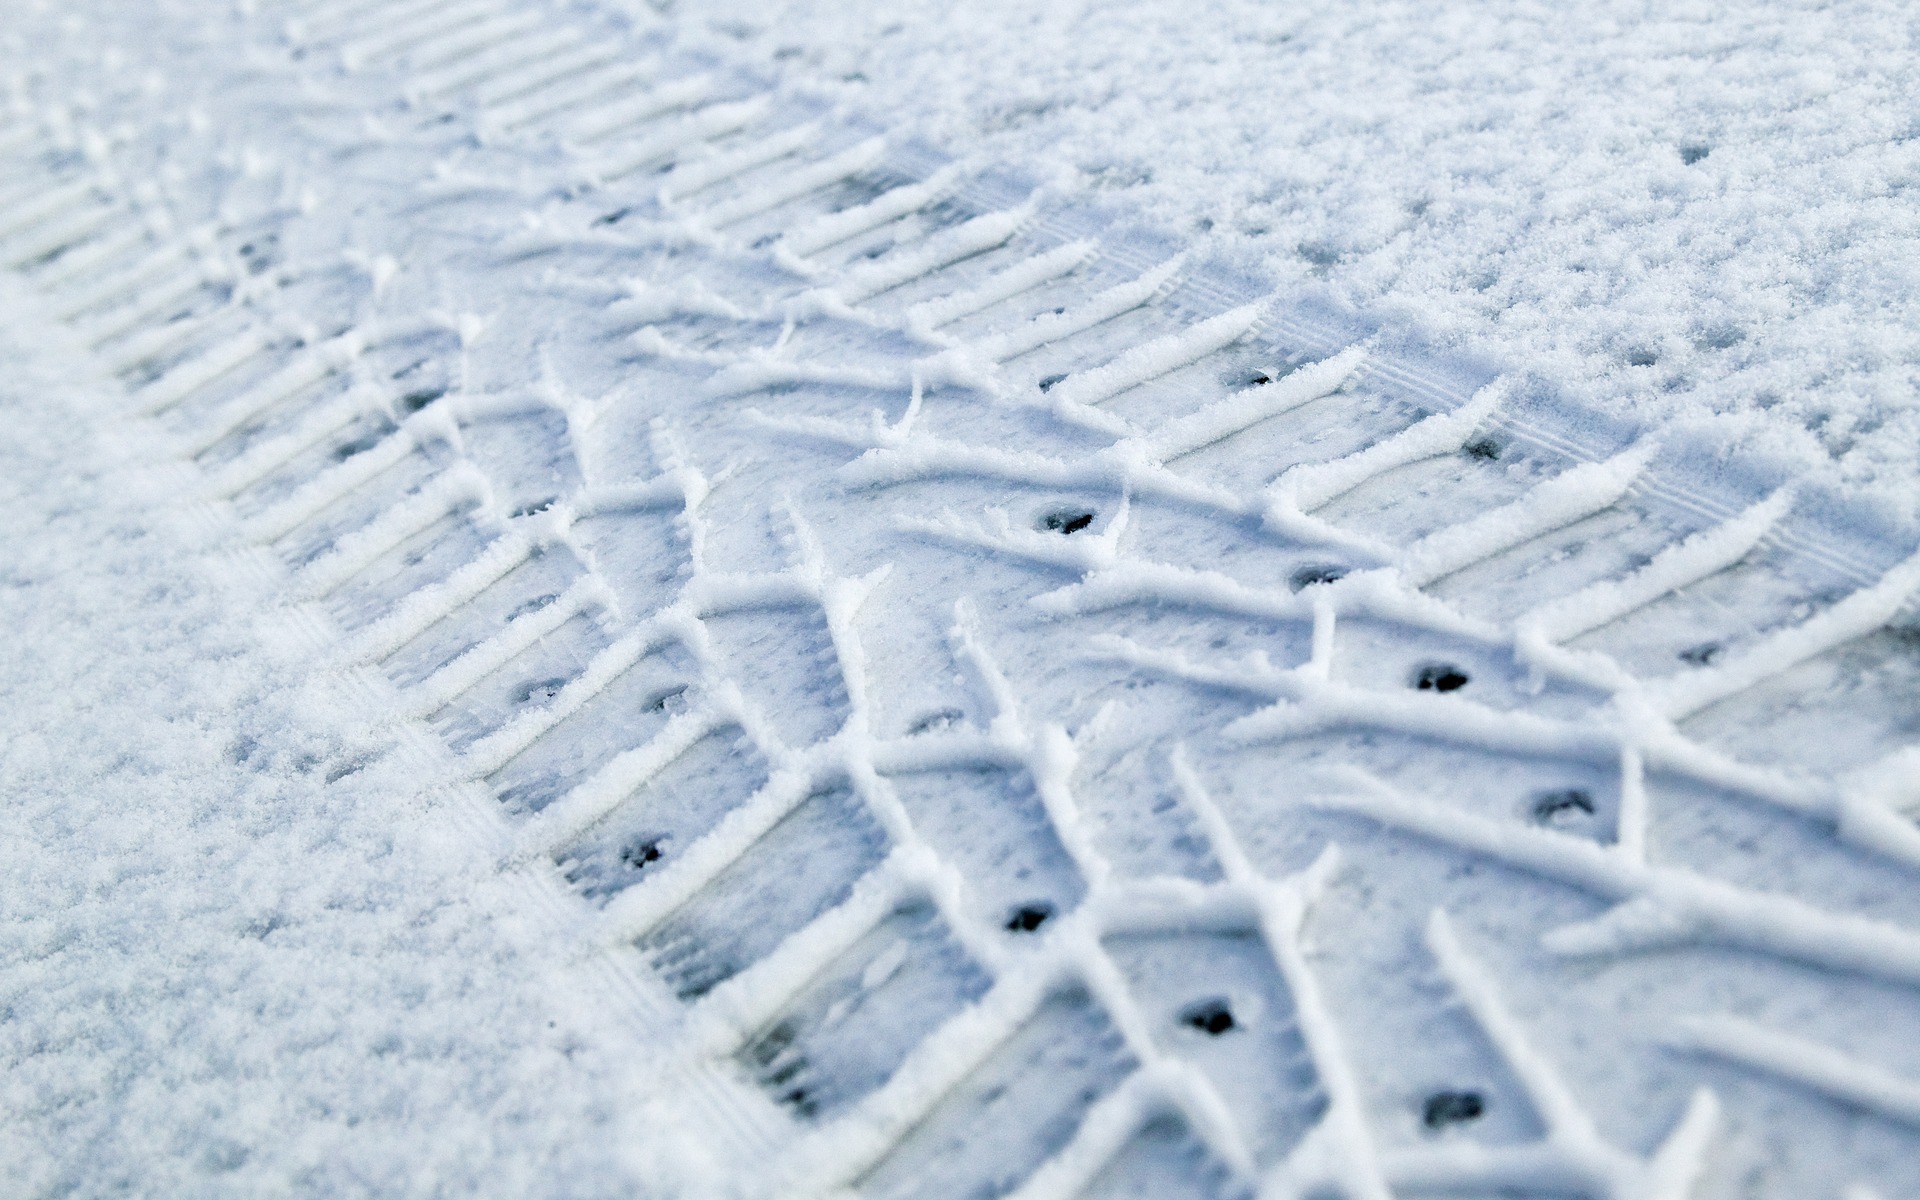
{"points": [[217, 975], [1675, 211], [512, 777]]}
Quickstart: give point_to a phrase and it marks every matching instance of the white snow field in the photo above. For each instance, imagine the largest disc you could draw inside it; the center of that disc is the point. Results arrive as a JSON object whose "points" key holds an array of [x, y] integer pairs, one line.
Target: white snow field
{"points": [[597, 608]]}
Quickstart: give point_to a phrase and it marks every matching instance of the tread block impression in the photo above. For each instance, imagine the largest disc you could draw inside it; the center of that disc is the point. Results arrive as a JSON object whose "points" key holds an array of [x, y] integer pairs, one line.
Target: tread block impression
{"points": [[425, 559], [625, 715], [805, 865], [1218, 1002], [991, 825], [677, 805], [1165, 1159], [1013, 1112], [642, 553], [1788, 719], [785, 662], [853, 1024], [533, 584], [530, 680]]}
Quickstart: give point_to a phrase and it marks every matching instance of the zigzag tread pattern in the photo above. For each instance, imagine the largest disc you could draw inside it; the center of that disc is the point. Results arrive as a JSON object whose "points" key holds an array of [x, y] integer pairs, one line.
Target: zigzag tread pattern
{"points": [[1043, 715]]}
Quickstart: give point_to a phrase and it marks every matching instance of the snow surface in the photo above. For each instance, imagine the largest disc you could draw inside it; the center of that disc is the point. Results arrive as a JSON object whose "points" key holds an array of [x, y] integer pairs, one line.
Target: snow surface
{"points": [[217, 976], [1669, 210], [249, 958]]}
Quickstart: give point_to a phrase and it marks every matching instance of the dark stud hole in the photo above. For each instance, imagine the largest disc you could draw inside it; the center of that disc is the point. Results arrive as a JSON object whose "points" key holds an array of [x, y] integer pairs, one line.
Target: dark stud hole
{"points": [[533, 605], [659, 703], [1259, 379], [1484, 448], [1701, 655], [538, 506], [1451, 1108], [1554, 806], [801, 1100], [1307, 577], [359, 445], [1641, 357], [1029, 917], [1440, 677], [413, 402], [1690, 155], [1211, 1017], [546, 689], [946, 718], [1046, 385], [1067, 522], [637, 856]]}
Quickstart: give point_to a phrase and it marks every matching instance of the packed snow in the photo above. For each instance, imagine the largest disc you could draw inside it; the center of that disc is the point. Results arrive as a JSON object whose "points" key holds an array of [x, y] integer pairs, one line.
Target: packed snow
{"points": [[784, 672]]}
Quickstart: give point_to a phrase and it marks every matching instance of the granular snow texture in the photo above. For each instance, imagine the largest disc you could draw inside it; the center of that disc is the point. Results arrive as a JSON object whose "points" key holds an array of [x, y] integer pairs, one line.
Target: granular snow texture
{"points": [[217, 976], [1672, 211]]}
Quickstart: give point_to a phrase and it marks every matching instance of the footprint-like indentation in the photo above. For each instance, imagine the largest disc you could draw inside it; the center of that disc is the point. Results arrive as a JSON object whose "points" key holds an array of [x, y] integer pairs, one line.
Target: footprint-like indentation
{"points": [[638, 855], [623, 716], [363, 440], [530, 680], [413, 402], [1219, 1004]]}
